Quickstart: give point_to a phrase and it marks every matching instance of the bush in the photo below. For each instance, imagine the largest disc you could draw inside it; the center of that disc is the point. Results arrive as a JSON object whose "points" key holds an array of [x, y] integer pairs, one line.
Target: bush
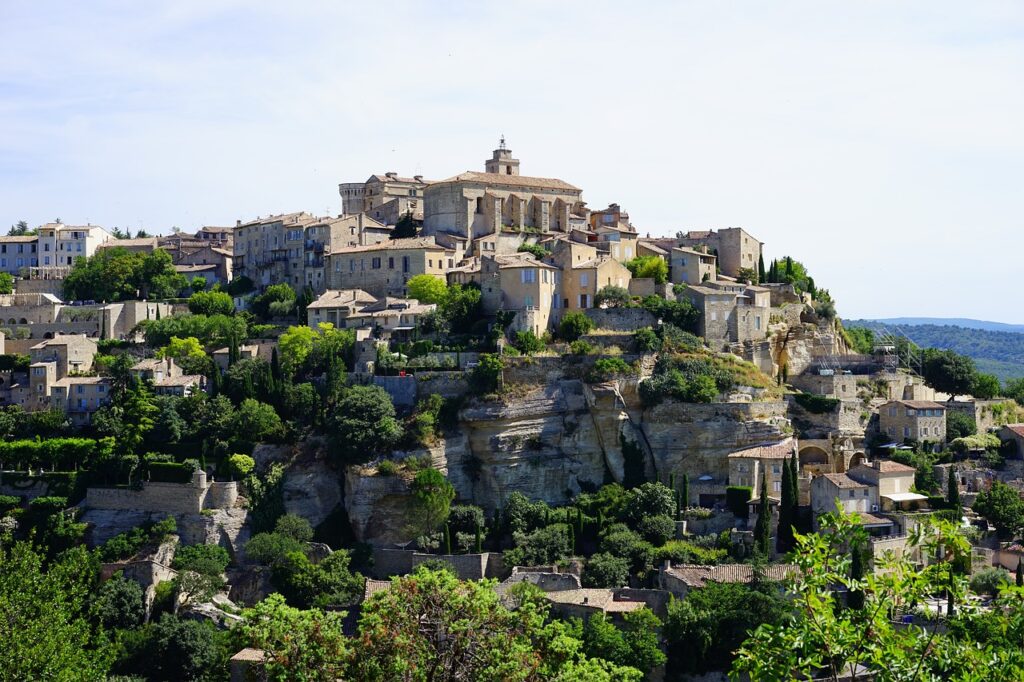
{"points": [[645, 340], [581, 347], [605, 570], [684, 552], [486, 376], [959, 425], [528, 343], [612, 297], [605, 369], [688, 379], [539, 252], [211, 303], [649, 499], [9, 502], [653, 267], [736, 499], [816, 404], [268, 548], [119, 603], [543, 546], [387, 467], [657, 530], [574, 324], [622, 542], [990, 581], [241, 465], [295, 527]]}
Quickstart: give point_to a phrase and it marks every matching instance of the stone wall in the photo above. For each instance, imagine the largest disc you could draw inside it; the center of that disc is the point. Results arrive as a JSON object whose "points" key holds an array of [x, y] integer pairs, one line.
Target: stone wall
{"points": [[401, 389], [170, 498], [849, 417], [621, 319], [987, 414], [389, 562], [445, 384], [789, 313], [642, 286]]}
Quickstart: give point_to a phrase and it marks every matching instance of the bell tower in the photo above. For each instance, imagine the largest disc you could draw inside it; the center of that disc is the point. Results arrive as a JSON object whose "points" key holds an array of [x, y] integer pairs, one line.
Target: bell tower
{"points": [[501, 161]]}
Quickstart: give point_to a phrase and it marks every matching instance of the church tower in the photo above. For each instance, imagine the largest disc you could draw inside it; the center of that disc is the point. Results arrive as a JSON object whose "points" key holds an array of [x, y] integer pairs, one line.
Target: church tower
{"points": [[501, 162]]}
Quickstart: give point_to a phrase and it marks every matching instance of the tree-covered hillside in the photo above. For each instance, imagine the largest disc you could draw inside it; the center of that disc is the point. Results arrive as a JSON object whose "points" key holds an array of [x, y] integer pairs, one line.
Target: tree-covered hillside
{"points": [[999, 353]]}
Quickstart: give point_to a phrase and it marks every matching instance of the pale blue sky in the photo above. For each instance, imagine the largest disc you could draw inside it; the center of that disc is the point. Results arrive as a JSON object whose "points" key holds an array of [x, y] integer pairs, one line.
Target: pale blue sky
{"points": [[880, 142]]}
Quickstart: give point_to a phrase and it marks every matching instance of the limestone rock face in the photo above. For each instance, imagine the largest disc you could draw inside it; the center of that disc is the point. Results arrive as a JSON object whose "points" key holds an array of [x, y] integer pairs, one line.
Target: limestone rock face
{"points": [[249, 586], [225, 527], [377, 505], [544, 444], [312, 490]]}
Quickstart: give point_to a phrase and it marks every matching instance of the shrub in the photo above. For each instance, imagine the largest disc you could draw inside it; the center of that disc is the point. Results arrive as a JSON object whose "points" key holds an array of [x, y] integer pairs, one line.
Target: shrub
{"points": [[959, 425], [241, 465], [267, 548], [684, 552], [607, 368], [574, 324], [612, 297], [211, 303], [605, 570], [528, 343], [539, 252], [816, 404], [646, 340], [543, 546], [989, 581], [387, 467], [486, 376], [295, 527], [629, 545], [581, 347], [736, 499], [653, 267], [9, 502], [657, 530]]}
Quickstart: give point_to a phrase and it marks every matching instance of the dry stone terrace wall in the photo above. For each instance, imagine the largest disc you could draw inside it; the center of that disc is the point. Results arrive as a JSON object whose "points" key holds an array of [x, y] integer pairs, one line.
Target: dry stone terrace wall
{"points": [[621, 319], [169, 498]]}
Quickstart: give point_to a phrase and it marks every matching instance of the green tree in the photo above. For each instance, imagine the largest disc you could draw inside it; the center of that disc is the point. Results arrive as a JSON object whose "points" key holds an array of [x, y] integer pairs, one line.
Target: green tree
{"points": [[43, 627], [528, 343], [985, 386], [127, 420], [953, 491], [364, 424], [277, 301], [198, 284], [210, 303], [432, 497], [538, 251], [486, 376], [573, 325], [635, 644], [784, 538], [763, 525], [20, 229], [947, 371], [119, 603], [959, 425], [822, 639], [652, 267], [296, 345], [427, 288], [179, 649], [405, 228], [703, 631], [297, 644], [605, 570], [611, 296], [1002, 506], [188, 354], [6, 283], [256, 422], [117, 274]]}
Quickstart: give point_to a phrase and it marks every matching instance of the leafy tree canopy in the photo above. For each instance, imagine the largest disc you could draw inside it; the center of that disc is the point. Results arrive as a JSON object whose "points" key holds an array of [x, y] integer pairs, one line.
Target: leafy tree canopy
{"points": [[117, 274]]}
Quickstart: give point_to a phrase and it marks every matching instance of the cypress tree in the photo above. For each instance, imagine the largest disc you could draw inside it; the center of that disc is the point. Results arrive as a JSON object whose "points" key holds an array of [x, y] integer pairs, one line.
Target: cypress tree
{"points": [[760, 269], [789, 267], [1020, 572], [763, 527], [447, 539], [275, 365], [158, 311], [478, 545], [686, 491], [579, 524], [953, 491], [572, 540], [784, 539], [855, 599]]}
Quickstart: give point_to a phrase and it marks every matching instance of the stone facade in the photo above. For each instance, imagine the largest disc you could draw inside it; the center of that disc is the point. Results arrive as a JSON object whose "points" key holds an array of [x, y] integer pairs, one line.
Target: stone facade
{"points": [[736, 248], [385, 198], [689, 266], [918, 420], [167, 498], [383, 269]]}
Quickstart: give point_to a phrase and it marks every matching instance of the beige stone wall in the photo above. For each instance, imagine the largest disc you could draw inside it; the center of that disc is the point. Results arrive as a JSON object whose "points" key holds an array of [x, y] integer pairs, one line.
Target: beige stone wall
{"points": [[385, 272], [899, 422]]}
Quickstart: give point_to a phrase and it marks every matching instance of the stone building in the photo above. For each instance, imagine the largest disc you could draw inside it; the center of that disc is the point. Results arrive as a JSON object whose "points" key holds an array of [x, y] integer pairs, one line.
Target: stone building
{"points": [[730, 312], [383, 269], [334, 306], [473, 204], [522, 284], [166, 377], [690, 266], [17, 253], [384, 198], [221, 260], [882, 486], [748, 466], [585, 271], [60, 244], [143, 245], [916, 420], [735, 247]]}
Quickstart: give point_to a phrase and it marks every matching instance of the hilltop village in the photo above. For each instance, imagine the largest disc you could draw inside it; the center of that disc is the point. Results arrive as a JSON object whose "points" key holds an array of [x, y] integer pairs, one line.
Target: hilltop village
{"points": [[477, 378]]}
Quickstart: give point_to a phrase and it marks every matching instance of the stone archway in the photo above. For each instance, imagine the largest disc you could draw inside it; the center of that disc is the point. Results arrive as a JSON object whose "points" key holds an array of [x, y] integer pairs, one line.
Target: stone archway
{"points": [[815, 459], [856, 459]]}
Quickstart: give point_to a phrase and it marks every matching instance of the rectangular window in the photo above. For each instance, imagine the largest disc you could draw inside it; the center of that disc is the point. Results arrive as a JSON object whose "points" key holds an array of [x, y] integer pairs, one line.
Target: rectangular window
{"points": [[528, 301], [851, 494], [375, 264], [391, 262], [906, 432], [405, 264], [529, 275], [584, 279], [777, 486]]}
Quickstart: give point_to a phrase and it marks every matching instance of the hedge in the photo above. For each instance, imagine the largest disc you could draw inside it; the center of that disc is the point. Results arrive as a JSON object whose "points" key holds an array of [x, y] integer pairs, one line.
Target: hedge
{"points": [[55, 453], [8, 502], [170, 472], [816, 404], [736, 499]]}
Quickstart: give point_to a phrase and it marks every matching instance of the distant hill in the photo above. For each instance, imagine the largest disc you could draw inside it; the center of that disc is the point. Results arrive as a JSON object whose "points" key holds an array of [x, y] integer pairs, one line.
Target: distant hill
{"points": [[997, 349], [964, 322]]}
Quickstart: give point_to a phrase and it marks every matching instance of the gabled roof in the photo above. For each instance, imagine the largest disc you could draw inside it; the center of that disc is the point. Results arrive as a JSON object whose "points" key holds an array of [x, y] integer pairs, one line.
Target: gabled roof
{"points": [[781, 450], [511, 180], [333, 298], [520, 260], [844, 481], [697, 576], [1016, 429], [598, 598], [919, 404], [394, 245]]}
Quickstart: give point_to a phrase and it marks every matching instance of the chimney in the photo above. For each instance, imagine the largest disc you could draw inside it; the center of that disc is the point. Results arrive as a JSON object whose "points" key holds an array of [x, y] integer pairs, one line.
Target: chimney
{"points": [[238, 223], [391, 174], [418, 178]]}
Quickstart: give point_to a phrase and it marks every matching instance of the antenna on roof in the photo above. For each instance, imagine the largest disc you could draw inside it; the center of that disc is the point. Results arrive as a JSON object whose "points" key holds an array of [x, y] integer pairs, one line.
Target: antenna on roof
{"points": [[502, 143]]}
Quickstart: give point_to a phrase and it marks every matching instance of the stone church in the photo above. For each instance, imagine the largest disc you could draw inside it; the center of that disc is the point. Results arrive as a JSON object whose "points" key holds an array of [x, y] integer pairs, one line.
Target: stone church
{"points": [[474, 204]]}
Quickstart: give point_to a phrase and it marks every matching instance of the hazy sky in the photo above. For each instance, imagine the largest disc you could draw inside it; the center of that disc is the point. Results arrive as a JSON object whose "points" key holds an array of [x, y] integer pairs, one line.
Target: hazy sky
{"points": [[880, 142]]}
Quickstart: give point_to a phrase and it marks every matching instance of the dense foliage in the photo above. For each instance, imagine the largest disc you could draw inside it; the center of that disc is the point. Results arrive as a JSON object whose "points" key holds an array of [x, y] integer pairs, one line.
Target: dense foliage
{"points": [[117, 274]]}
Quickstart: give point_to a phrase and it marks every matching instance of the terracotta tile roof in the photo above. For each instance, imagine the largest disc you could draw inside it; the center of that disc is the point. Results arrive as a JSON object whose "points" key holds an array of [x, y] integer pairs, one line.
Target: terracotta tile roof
{"points": [[920, 404], [183, 380], [603, 599], [18, 238], [335, 297], [521, 260], [698, 234], [511, 180], [781, 450], [844, 481], [147, 364], [394, 245], [690, 251], [298, 218], [126, 243], [698, 576], [889, 467], [1016, 429], [872, 520], [382, 177]]}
